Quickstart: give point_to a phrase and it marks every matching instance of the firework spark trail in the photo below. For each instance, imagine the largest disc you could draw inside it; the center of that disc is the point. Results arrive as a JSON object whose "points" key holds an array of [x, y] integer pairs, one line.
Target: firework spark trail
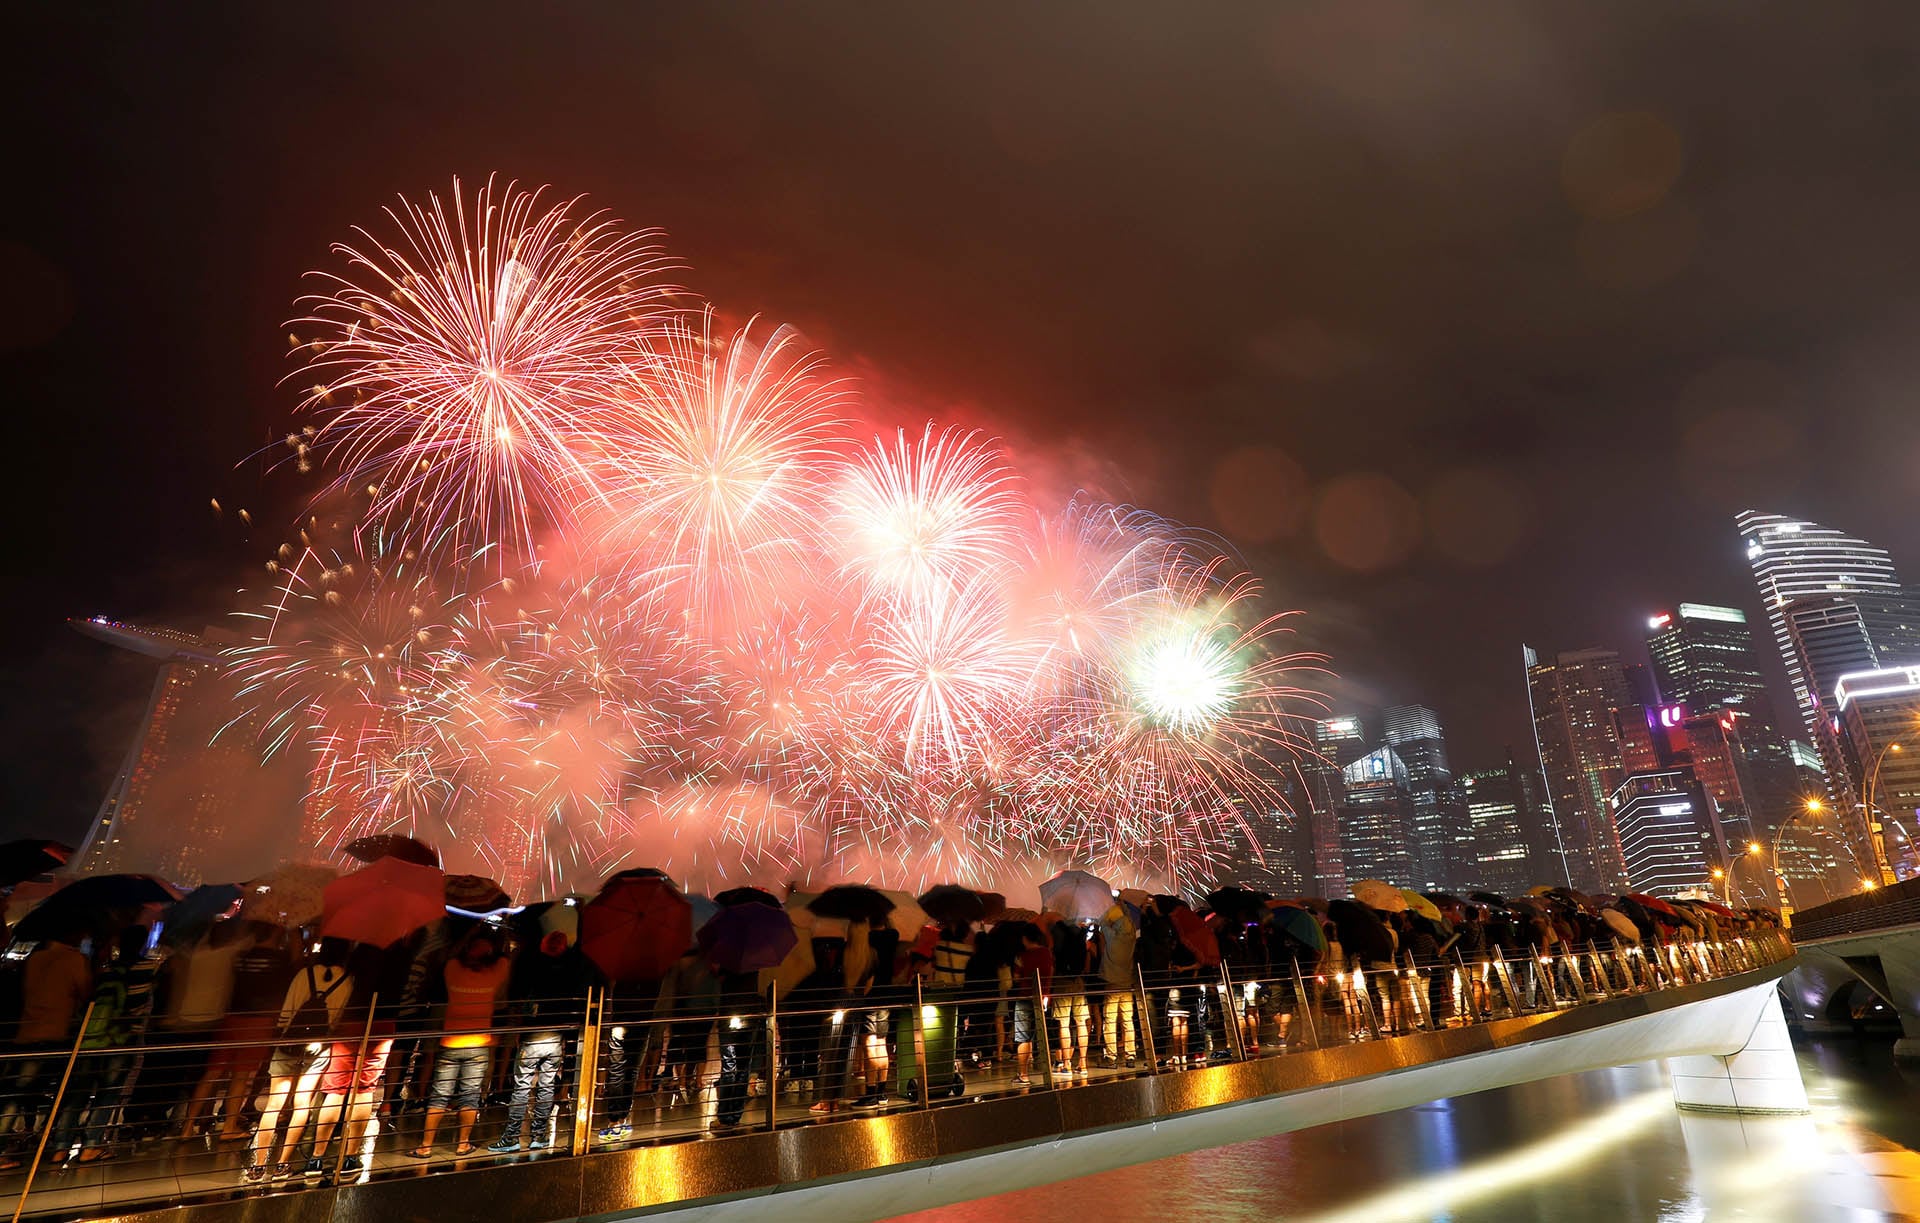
{"points": [[459, 375], [621, 587]]}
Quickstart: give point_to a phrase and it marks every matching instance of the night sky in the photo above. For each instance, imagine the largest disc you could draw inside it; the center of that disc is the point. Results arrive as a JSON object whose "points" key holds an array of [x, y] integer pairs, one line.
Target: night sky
{"points": [[1473, 325]]}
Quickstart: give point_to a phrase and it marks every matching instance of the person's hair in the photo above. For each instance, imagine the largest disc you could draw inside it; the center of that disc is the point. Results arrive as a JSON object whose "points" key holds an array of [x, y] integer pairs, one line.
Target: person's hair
{"points": [[956, 931], [334, 952]]}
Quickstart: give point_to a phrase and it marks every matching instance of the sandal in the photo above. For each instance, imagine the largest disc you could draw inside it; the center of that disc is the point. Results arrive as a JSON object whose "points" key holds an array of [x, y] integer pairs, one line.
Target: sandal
{"points": [[420, 1153], [465, 1148]]}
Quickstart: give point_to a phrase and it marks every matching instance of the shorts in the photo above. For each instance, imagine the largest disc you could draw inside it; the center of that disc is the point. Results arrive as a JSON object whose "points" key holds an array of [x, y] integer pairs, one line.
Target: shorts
{"points": [[1023, 1021], [340, 1069], [292, 1061], [459, 1076], [879, 1023]]}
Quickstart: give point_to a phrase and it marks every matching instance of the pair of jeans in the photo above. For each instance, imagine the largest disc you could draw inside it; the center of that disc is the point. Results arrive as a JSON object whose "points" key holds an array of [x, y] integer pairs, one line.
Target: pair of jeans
{"points": [[92, 1098], [536, 1071], [736, 1058], [459, 1078]]}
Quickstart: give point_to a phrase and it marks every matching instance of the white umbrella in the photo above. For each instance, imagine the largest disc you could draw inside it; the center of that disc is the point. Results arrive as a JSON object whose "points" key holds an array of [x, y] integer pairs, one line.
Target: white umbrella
{"points": [[1378, 894], [1077, 895]]}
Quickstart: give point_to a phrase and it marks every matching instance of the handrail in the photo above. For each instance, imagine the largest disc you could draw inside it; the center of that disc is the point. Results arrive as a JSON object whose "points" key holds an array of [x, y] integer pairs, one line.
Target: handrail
{"points": [[814, 1061]]}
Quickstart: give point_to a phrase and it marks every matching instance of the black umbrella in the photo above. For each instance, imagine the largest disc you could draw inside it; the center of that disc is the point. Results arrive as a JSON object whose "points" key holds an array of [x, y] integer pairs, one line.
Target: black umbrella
{"points": [[391, 845], [92, 904], [747, 896], [949, 904], [1487, 898], [853, 903], [635, 872], [22, 860], [1235, 903], [1362, 934], [1167, 904]]}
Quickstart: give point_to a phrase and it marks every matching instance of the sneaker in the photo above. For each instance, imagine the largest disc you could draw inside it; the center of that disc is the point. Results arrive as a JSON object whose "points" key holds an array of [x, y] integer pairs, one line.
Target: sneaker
{"points": [[504, 1146], [538, 1144], [351, 1166], [723, 1127], [613, 1133], [315, 1167], [872, 1099]]}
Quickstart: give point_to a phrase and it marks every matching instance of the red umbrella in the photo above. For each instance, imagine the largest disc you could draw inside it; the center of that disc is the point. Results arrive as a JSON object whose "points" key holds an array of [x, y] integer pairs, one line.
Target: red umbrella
{"points": [[383, 902], [636, 928], [1655, 903], [1197, 935]]}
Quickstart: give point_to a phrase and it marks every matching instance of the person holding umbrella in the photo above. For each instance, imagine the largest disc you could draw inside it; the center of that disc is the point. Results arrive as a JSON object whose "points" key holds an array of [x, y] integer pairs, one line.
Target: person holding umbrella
{"points": [[1116, 940], [549, 984]]}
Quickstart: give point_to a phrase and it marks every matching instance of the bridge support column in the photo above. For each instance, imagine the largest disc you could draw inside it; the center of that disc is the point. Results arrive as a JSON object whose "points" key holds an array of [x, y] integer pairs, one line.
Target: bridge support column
{"points": [[1762, 1077]]}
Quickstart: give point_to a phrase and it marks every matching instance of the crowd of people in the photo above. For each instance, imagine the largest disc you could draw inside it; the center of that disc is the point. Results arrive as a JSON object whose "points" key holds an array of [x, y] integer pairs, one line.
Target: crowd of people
{"points": [[271, 1042]]}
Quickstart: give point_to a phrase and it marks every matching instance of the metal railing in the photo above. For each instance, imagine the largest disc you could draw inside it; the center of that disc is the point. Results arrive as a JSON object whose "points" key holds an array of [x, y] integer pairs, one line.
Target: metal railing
{"points": [[1881, 909], [90, 1128]]}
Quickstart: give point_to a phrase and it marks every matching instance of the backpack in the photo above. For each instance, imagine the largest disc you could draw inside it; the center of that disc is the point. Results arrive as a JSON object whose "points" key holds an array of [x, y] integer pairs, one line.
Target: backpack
{"points": [[313, 1019]]}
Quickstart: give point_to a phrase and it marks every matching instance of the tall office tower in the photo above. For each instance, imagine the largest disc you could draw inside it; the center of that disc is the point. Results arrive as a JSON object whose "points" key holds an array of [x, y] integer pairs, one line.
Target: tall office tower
{"points": [[1338, 742], [1879, 716], [1664, 835], [1704, 658], [192, 800], [1376, 819], [1573, 698], [1502, 808], [1668, 739], [1440, 833], [1794, 559]]}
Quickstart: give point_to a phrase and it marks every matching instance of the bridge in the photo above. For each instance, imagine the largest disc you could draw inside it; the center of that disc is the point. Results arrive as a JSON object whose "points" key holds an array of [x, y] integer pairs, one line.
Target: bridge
{"points": [[1855, 952], [1296, 1052]]}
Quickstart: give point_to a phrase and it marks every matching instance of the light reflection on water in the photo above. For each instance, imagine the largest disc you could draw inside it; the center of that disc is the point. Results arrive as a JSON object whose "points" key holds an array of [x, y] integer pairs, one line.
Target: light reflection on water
{"points": [[1607, 1145]]}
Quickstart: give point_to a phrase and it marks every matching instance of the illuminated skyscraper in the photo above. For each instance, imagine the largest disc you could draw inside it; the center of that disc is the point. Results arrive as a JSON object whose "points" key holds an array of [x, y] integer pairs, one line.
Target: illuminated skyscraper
{"points": [[1505, 816], [1376, 819], [1793, 559], [1338, 742], [1573, 699], [1441, 834], [192, 800], [1879, 716]]}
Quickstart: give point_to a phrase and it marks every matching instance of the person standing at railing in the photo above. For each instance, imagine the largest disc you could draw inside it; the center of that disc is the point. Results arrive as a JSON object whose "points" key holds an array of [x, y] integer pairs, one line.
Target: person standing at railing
{"points": [[95, 1092], [1471, 950], [743, 1008], [315, 999], [548, 985], [1115, 941], [356, 1060], [1071, 962], [475, 978], [1153, 956], [1032, 970], [261, 973], [58, 982]]}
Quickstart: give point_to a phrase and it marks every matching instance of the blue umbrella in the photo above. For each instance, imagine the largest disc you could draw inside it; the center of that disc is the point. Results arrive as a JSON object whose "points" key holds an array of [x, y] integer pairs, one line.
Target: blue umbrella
{"points": [[747, 938]]}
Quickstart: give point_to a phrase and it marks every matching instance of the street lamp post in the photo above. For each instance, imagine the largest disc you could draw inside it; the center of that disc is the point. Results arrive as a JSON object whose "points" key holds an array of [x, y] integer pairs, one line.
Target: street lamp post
{"points": [[1876, 836], [1814, 807]]}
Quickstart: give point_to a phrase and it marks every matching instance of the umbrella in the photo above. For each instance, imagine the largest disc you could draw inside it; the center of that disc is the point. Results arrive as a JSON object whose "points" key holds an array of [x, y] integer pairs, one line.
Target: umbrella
{"points": [[1378, 894], [475, 893], [1488, 898], [1540, 889], [1451, 907], [747, 938], [383, 902], [389, 845], [1017, 916], [747, 896], [1167, 904], [1237, 903], [1653, 903], [287, 895], [1136, 897], [907, 916], [992, 905], [1077, 894], [636, 928], [853, 902], [1421, 905], [547, 916], [1197, 935], [1621, 925], [22, 860], [1301, 925], [90, 904], [200, 908], [1718, 910], [810, 924], [635, 872], [952, 905], [1363, 936]]}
